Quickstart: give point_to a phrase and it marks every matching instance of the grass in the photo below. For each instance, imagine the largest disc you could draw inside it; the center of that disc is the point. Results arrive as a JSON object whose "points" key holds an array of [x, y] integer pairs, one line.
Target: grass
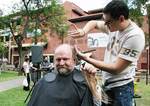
{"points": [[8, 75], [13, 97], [144, 91]]}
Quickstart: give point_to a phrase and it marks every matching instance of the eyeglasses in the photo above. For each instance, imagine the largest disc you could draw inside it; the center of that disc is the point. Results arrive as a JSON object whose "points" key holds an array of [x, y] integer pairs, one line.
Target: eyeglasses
{"points": [[108, 22]]}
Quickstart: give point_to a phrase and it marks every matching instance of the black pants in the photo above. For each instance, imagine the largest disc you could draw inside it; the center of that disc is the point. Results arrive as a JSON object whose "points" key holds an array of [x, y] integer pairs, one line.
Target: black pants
{"points": [[35, 76]]}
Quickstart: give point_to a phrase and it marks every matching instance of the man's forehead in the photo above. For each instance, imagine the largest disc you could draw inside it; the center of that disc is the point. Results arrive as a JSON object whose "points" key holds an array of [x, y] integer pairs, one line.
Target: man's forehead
{"points": [[63, 47], [63, 54]]}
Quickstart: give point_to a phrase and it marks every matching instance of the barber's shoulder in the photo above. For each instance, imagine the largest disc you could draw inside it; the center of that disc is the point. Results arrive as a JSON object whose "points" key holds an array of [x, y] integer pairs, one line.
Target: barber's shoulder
{"points": [[50, 77], [78, 76]]}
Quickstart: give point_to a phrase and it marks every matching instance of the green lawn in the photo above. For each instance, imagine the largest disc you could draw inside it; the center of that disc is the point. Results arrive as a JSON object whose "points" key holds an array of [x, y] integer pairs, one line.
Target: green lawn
{"points": [[144, 91], [8, 75], [16, 96], [13, 97]]}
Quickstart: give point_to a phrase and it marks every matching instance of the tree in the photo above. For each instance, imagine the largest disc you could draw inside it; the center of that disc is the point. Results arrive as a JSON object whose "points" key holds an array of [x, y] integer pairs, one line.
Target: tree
{"points": [[148, 14], [57, 20], [1, 12], [35, 15], [137, 9], [3, 49]]}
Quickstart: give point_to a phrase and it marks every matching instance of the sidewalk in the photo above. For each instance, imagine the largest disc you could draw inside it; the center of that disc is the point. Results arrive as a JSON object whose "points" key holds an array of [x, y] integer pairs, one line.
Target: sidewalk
{"points": [[11, 84]]}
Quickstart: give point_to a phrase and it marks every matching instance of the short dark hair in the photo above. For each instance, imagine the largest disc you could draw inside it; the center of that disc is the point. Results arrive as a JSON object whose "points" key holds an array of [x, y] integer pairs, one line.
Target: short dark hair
{"points": [[116, 8], [27, 59]]}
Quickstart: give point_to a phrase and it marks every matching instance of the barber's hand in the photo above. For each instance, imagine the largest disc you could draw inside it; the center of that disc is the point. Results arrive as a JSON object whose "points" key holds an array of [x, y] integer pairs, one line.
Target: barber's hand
{"points": [[80, 54], [77, 33], [89, 68]]}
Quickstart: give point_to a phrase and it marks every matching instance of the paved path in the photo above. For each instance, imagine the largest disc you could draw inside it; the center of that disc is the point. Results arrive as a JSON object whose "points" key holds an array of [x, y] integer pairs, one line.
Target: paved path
{"points": [[11, 84]]}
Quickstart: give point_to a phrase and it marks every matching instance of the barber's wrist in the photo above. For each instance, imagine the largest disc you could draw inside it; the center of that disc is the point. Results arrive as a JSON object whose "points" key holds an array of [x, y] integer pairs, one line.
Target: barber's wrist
{"points": [[83, 31], [86, 58]]}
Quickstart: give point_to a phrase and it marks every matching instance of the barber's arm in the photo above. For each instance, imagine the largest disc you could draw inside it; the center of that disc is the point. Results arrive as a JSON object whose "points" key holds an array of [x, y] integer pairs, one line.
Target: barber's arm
{"points": [[114, 68], [100, 25], [88, 27]]}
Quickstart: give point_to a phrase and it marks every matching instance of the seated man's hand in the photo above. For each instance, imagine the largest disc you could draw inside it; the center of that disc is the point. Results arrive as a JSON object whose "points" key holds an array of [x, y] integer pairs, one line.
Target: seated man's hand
{"points": [[89, 68]]}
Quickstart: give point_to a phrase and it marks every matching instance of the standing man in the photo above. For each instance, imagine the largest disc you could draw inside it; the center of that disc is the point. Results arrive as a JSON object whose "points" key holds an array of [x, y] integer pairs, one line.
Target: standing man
{"points": [[126, 42], [46, 66], [64, 86], [26, 68]]}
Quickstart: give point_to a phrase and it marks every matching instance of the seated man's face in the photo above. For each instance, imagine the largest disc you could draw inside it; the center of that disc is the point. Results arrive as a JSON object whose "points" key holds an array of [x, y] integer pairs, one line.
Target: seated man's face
{"points": [[64, 62]]}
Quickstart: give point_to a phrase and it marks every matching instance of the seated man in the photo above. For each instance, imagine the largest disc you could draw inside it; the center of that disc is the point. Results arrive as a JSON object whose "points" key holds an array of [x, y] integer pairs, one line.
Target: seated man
{"points": [[64, 86]]}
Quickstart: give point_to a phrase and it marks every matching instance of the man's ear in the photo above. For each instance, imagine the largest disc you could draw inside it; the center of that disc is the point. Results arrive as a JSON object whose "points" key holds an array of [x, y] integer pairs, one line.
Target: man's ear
{"points": [[121, 18]]}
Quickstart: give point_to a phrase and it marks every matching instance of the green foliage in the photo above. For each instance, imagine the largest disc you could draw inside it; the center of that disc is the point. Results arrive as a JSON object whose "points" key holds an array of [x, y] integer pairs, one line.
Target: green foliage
{"points": [[62, 30], [4, 22], [136, 10], [57, 20], [3, 49], [50, 14]]}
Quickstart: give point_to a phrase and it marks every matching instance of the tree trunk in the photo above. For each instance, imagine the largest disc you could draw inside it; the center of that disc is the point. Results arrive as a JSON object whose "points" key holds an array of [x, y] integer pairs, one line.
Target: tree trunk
{"points": [[20, 59], [148, 9]]}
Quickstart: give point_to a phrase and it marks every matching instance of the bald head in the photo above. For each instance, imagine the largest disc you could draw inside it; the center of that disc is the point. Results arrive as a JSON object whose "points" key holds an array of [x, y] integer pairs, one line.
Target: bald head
{"points": [[64, 48]]}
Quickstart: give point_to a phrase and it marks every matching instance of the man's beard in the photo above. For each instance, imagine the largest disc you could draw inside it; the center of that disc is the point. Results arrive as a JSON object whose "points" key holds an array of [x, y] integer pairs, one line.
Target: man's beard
{"points": [[63, 71]]}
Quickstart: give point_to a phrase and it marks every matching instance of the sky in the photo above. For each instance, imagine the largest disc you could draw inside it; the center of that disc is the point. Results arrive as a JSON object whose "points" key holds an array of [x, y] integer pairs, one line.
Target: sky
{"points": [[90, 4], [86, 5]]}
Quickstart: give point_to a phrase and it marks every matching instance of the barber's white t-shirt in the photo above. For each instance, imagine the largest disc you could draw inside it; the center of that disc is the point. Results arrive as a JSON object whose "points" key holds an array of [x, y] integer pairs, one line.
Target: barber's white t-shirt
{"points": [[127, 45]]}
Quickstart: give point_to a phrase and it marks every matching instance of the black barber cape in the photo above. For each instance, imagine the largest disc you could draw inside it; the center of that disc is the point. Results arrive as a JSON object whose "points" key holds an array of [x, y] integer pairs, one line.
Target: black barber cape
{"points": [[57, 90]]}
